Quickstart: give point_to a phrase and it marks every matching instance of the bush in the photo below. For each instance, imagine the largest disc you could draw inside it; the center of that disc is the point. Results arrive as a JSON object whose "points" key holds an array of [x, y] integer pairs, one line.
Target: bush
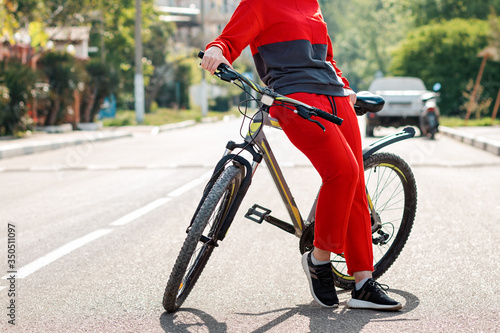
{"points": [[221, 104], [100, 82], [446, 52], [122, 118], [18, 81], [4, 102], [175, 92], [63, 77]]}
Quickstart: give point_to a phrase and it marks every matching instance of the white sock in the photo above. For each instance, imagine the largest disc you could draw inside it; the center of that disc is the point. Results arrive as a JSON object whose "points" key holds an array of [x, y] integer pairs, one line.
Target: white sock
{"points": [[317, 262], [361, 283]]}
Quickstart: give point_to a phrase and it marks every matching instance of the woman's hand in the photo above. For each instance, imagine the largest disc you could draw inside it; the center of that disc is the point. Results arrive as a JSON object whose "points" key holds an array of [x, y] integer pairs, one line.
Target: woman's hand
{"points": [[212, 59], [352, 96]]}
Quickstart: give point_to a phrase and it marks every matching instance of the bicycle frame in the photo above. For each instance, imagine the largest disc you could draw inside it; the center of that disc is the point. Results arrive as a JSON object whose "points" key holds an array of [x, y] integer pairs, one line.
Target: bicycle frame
{"points": [[256, 137]]}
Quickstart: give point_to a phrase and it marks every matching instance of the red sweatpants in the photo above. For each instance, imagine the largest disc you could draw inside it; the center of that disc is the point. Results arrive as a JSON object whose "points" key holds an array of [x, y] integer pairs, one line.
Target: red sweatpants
{"points": [[342, 222]]}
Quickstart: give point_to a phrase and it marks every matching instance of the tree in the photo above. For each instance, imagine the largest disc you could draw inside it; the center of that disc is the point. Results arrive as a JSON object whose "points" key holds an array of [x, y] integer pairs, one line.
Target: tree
{"points": [[364, 32], [16, 83], [175, 91], [113, 29], [156, 51], [427, 11], [63, 77], [446, 52], [100, 82]]}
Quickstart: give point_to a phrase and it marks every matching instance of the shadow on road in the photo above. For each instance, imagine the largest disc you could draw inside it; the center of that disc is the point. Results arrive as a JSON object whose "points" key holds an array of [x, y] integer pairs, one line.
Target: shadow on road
{"points": [[321, 319], [189, 320]]}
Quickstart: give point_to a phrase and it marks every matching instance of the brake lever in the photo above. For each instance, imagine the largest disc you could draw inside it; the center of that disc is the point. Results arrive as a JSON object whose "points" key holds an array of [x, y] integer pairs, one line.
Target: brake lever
{"points": [[317, 123], [307, 116], [226, 74]]}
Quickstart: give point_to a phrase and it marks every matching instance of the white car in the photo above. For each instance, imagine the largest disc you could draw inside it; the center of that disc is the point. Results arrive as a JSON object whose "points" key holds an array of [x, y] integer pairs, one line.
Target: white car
{"points": [[407, 102]]}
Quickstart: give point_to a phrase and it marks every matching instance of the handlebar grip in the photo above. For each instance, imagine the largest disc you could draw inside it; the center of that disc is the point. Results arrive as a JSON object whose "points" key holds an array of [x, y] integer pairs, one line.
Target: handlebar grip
{"points": [[221, 66], [328, 116]]}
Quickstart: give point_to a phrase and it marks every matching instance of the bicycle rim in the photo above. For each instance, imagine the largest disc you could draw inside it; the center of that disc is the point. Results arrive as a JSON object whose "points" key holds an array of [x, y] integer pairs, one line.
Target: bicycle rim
{"points": [[201, 239], [392, 191]]}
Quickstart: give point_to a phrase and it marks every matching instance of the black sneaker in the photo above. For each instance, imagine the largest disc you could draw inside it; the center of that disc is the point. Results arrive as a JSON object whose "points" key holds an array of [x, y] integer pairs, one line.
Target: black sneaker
{"points": [[321, 281], [372, 296]]}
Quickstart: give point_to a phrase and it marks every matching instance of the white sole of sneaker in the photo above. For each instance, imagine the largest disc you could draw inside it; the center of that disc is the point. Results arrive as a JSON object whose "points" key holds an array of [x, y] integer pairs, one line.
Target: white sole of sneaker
{"points": [[359, 304], [305, 266]]}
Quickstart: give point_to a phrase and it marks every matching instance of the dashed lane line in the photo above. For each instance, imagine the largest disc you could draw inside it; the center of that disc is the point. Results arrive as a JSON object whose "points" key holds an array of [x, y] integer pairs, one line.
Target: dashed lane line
{"points": [[77, 243], [58, 168], [161, 201], [140, 212], [58, 253], [192, 184]]}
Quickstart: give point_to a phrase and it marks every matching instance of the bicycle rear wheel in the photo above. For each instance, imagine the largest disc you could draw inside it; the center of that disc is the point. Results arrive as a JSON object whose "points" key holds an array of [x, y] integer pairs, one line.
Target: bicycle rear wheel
{"points": [[202, 237], [392, 190]]}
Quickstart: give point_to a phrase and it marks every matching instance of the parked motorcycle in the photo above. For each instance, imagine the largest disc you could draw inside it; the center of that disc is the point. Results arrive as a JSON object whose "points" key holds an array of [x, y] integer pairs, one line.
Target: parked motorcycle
{"points": [[429, 116]]}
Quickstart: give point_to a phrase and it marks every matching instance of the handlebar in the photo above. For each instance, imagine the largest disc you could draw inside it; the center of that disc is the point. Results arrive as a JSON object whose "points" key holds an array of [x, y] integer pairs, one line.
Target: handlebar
{"points": [[269, 97]]}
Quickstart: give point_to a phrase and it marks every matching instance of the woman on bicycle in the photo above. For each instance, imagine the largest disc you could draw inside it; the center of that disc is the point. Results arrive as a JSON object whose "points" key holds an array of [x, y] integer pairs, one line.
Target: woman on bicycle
{"points": [[293, 55]]}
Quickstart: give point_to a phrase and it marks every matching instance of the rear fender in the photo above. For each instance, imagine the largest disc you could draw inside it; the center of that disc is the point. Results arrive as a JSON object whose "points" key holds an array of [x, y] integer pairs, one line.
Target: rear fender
{"points": [[407, 133]]}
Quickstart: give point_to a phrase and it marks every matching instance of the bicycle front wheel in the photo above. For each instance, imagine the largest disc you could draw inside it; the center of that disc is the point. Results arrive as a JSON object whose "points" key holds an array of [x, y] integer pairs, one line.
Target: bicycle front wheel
{"points": [[392, 192], [202, 237]]}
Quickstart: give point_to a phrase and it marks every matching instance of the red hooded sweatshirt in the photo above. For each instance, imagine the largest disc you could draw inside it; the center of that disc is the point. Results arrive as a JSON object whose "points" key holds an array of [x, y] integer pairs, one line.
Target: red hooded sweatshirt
{"points": [[289, 43]]}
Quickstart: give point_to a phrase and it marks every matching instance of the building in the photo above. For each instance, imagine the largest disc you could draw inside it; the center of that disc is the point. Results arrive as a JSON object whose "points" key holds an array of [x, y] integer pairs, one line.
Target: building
{"points": [[198, 21], [74, 40]]}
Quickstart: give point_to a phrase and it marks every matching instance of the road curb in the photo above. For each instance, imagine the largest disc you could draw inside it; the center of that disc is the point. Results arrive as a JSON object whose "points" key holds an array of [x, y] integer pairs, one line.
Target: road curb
{"points": [[14, 149], [481, 142], [168, 127], [187, 123], [40, 146]]}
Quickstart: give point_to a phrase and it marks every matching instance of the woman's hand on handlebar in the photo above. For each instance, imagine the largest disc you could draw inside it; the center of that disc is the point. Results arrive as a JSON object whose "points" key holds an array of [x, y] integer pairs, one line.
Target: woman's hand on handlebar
{"points": [[213, 58], [352, 96]]}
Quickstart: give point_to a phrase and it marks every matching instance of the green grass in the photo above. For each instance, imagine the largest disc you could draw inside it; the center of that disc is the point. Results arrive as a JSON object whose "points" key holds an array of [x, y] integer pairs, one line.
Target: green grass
{"points": [[460, 122], [161, 116], [164, 116]]}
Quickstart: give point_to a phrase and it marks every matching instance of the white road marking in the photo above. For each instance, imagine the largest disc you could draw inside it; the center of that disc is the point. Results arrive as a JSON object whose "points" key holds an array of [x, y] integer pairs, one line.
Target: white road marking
{"points": [[55, 168], [58, 253], [161, 201], [192, 184], [77, 243], [139, 212], [103, 167]]}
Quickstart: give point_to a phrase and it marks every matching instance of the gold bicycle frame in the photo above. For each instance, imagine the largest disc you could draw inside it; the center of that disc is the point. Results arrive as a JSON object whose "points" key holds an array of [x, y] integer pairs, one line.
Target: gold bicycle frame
{"points": [[257, 137]]}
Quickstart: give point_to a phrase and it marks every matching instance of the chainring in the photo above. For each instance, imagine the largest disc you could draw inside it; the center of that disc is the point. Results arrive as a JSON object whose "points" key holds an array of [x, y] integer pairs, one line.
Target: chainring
{"points": [[307, 238]]}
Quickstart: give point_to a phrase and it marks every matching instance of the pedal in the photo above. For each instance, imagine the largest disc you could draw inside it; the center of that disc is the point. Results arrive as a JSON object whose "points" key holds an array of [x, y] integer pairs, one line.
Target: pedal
{"points": [[257, 213]]}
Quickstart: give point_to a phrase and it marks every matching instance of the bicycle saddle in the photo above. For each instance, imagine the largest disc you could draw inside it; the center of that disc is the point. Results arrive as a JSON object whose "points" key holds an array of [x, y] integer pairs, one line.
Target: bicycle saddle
{"points": [[368, 102]]}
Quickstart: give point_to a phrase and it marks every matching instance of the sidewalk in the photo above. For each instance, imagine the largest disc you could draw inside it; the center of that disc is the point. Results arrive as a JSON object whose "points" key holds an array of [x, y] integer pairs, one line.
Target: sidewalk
{"points": [[41, 141], [483, 137]]}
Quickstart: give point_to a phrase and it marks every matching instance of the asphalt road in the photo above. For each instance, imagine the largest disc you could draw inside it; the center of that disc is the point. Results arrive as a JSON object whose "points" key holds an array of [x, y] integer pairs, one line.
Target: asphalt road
{"points": [[98, 226]]}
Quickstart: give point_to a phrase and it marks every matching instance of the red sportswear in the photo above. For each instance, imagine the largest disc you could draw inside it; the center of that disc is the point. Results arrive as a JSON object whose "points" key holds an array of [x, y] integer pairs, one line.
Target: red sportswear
{"points": [[290, 45], [293, 55]]}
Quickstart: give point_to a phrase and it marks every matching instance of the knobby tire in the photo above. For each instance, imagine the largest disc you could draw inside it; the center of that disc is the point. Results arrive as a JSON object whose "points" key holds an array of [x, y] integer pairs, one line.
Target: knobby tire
{"points": [[195, 253]]}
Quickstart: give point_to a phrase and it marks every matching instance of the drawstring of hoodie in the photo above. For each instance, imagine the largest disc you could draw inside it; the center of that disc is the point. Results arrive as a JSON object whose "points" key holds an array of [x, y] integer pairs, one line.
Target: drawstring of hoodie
{"points": [[332, 104]]}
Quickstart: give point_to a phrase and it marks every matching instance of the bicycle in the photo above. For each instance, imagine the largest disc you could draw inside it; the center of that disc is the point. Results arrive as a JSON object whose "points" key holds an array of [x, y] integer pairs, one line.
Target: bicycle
{"points": [[390, 187]]}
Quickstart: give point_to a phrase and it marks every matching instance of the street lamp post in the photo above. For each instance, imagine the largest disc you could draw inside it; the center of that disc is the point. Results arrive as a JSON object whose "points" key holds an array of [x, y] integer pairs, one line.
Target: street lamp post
{"points": [[138, 78], [204, 95]]}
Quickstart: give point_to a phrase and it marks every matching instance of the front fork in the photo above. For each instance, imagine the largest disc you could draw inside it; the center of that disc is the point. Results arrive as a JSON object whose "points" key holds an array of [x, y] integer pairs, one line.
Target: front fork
{"points": [[249, 171]]}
